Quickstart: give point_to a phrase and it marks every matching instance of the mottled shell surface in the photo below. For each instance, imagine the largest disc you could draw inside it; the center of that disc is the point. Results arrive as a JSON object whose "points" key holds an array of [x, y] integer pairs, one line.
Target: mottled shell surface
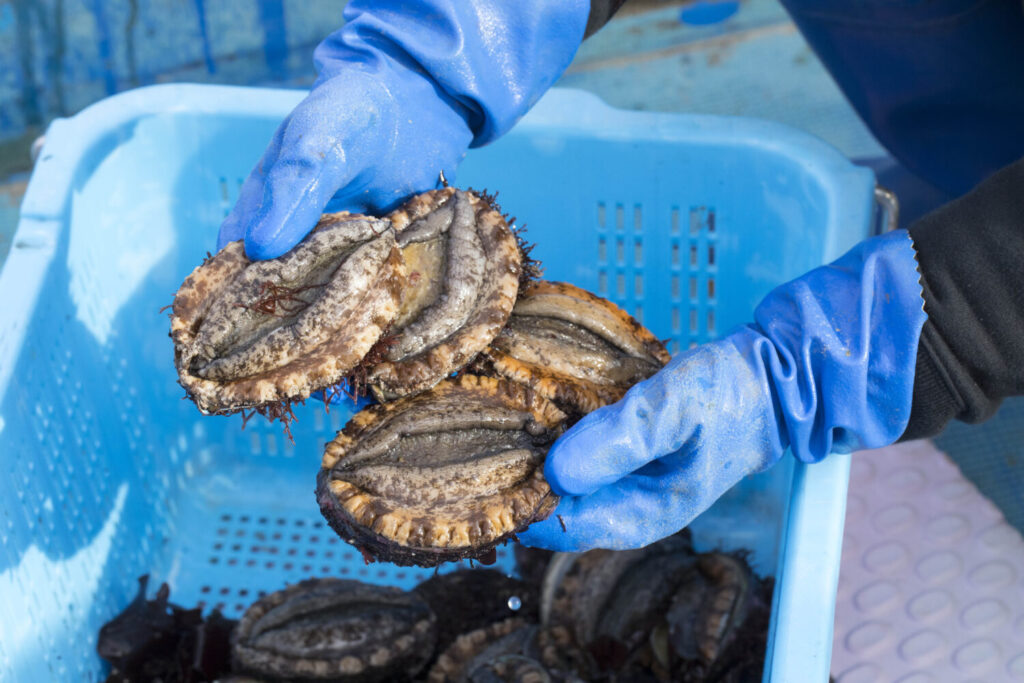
{"points": [[249, 334], [464, 265], [442, 475], [573, 347], [335, 630]]}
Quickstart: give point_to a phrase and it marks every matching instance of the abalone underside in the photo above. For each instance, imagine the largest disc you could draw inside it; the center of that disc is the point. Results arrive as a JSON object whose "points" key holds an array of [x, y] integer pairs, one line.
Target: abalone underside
{"points": [[443, 475], [663, 607], [464, 266]]}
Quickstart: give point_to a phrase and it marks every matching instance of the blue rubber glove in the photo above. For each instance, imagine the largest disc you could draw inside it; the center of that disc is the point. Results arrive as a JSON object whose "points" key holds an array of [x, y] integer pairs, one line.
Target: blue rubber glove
{"points": [[404, 89], [827, 366]]}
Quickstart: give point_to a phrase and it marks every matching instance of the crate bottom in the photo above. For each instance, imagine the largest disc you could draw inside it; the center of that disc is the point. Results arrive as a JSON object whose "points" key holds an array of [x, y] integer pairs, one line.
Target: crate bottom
{"points": [[253, 529]]}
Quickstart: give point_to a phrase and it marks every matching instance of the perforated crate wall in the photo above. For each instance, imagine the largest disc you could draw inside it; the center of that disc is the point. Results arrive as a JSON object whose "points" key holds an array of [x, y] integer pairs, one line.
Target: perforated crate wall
{"points": [[108, 474]]}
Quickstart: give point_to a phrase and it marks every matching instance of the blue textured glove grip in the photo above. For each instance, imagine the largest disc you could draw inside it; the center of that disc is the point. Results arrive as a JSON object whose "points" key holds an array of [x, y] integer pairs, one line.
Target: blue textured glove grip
{"points": [[828, 365]]}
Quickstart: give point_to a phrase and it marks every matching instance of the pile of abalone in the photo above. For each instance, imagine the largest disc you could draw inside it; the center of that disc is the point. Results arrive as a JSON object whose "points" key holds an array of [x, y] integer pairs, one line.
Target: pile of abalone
{"points": [[661, 613], [437, 311]]}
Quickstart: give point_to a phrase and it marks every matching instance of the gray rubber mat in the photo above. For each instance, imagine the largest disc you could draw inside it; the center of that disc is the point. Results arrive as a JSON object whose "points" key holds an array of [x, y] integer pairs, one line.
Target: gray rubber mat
{"points": [[930, 588]]}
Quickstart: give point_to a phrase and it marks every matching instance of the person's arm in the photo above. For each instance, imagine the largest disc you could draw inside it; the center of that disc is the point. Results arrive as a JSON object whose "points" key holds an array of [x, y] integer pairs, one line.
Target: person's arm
{"points": [[601, 11], [971, 256], [938, 84], [404, 89]]}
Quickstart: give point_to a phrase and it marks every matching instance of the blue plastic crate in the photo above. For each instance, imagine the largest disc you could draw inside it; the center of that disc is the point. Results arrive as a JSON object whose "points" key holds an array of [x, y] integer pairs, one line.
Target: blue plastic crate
{"points": [[106, 474]]}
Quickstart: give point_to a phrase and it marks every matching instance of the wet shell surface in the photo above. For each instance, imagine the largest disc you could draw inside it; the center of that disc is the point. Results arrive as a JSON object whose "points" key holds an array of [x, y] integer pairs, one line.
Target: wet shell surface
{"points": [[575, 348], [469, 599], [334, 630], [250, 334], [443, 475], [464, 265], [704, 617], [663, 609], [498, 652]]}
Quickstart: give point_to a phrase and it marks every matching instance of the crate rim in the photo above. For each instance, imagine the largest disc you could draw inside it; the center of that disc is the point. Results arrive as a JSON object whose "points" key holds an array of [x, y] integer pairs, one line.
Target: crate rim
{"points": [[72, 137]]}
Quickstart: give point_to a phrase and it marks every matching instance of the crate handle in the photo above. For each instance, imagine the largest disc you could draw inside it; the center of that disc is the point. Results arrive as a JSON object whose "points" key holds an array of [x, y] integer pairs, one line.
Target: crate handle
{"points": [[887, 215], [37, 147]]}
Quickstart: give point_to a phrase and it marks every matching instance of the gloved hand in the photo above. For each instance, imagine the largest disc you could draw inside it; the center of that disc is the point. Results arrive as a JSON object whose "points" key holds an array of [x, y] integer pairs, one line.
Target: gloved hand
{"points": [[404, 88], [827, 366]]}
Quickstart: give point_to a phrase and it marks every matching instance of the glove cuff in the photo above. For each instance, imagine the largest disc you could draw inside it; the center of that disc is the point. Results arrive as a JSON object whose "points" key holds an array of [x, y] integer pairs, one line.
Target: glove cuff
{"points": [[491, 61], [844, 340]]}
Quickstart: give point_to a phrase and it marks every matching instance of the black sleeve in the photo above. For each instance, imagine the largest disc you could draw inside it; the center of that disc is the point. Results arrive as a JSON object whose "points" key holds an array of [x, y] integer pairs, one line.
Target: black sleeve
{"points": [[971, 257], [600, 12]]}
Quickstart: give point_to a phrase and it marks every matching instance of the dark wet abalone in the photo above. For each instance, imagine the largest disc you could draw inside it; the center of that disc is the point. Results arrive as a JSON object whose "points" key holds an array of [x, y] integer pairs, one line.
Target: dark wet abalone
{"points": [[584, 595], [443, 475], [502, 652], [470, 599], [254, 334], [718, 622], [464, 267], [662, 611], [335, 630], [155, 640], [573, 347]]}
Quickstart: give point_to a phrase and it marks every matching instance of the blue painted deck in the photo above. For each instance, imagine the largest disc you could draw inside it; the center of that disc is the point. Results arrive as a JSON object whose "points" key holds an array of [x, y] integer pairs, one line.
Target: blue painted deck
{"points": [[57, 56], [753, 64]]}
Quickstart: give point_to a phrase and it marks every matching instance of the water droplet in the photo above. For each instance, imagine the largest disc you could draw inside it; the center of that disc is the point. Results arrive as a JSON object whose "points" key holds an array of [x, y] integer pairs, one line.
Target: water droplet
{"points": [[514, 603]]}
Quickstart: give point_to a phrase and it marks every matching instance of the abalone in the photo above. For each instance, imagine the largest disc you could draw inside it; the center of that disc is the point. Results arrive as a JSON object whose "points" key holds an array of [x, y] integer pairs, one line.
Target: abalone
{"points": [[464, 265], [575, 348], [715, 623], [258, 334], [662, 611], [501, 652], [584, 595], [469, 599], [443, 475], [335, 630]]}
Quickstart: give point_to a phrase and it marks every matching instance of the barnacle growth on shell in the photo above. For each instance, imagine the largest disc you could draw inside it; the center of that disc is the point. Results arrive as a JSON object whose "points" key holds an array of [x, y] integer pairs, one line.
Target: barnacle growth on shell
{"points": [[575, 348], [262, 334], [393, 304], [443, 475]]}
